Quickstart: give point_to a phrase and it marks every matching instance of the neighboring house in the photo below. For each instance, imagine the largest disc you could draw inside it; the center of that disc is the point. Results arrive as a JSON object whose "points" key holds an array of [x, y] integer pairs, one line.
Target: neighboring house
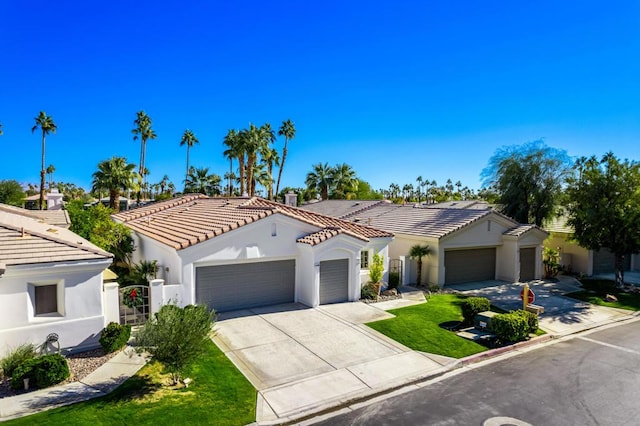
{"points": [[577, 259], [57, 217], [467, 245], [235, 253], [50, 282]]}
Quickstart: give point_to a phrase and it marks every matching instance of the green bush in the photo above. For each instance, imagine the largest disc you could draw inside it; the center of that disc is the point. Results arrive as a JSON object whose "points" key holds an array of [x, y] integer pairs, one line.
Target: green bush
{"points": [[473, 306], [19, 355], [394, 280], [376, 268], [114, 336], [530, 317], [510, 327], [42, 372], [369, 291]]}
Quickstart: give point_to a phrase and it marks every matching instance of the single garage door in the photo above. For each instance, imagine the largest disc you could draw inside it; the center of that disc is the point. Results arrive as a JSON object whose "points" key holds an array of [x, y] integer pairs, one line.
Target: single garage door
{"points": [[334, 281], [462, 266], [246, 285], [527, 264], [604, 261]]}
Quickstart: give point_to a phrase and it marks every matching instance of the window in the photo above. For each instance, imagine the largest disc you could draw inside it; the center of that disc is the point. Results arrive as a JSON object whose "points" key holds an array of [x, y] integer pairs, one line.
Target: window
{"points": [[364, 259], [46, 298]]}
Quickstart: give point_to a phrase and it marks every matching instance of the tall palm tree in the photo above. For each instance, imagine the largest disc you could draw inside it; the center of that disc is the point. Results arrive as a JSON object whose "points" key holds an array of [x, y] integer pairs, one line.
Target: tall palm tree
{"points": [[319, 179], [50, 169], [188, 139], [114, 175], [288, 130], [45, 123], [252, 138], [344, 181], [418, 252], [143, 131], [269, 157], [418, 186], [235, 149], [230, 177], [199, 180]]}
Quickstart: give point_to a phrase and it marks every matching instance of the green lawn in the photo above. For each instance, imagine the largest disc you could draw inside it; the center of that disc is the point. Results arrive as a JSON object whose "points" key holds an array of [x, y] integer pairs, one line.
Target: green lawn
{"points": [[417, 327], [596, 290], [219, 395]]}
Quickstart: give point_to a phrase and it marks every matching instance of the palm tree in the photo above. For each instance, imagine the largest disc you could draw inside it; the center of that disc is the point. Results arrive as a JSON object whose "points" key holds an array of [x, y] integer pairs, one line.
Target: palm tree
{"points": [[46, 125], [288, 130], [114, 175], [200, 181], [269, 157], [143, 131], [230, 177], [50, 169], [235, 143], [418, 186], [418, 252], [188, 139], [163, 183], [319, 179], [1, 132], [343, 181]]}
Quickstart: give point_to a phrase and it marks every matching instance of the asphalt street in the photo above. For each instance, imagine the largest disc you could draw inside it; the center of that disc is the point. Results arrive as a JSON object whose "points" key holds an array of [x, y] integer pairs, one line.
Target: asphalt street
{"points": [[591, 379]]}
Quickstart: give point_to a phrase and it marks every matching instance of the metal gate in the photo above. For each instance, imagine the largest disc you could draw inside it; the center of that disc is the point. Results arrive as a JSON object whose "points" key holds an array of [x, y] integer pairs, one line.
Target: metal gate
{"points": [[395, 267], [134, 304]]}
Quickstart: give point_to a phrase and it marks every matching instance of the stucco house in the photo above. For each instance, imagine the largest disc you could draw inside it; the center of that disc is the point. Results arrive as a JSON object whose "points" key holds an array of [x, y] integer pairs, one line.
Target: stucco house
{"points": [[50, 282], [467, 244], [235, 253]]}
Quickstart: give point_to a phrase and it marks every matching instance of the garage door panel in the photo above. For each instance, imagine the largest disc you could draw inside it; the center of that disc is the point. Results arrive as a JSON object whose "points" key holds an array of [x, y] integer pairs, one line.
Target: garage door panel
{"points": [[527, 264], [246, 285], [469, 265], [334, 281]]}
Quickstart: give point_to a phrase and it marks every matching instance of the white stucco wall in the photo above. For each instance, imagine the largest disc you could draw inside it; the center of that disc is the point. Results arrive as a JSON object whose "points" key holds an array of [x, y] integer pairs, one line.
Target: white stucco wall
{"points": [[80, 303]]}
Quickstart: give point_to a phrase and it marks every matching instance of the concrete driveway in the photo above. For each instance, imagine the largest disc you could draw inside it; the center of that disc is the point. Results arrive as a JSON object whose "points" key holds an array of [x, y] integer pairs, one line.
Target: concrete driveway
{"points": [[301, 358], [562, 315]]}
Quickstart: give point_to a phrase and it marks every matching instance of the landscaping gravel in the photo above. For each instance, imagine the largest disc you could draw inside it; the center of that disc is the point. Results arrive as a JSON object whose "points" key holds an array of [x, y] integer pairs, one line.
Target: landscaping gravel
{"points": [[81, 364]]}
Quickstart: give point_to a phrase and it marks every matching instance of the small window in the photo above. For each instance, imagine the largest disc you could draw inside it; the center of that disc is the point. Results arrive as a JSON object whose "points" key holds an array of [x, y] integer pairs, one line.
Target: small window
{"points": [[364, 259], [488, 226], [46, 299]]}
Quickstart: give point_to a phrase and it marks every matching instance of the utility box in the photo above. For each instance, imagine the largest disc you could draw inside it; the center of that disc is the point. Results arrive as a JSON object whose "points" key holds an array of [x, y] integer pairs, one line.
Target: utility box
{"points": [[482, 321]]}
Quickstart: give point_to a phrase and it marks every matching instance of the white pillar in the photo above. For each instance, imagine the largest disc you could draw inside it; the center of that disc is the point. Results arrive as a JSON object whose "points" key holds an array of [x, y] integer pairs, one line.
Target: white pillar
{"points": [[156, 296], [111, 303], [405, 270]]}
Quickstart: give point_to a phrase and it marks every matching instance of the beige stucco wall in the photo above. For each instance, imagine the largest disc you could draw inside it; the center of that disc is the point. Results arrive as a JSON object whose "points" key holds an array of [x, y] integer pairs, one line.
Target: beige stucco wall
{"points": [[573, 257]]}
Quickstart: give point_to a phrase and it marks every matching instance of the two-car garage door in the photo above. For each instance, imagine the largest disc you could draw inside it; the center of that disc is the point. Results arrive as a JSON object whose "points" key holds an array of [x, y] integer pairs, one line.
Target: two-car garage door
{"points": [[463, 266], [245, 285]]}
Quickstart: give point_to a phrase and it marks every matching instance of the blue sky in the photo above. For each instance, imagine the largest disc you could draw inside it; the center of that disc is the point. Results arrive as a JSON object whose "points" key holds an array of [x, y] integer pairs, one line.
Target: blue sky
{"points": [[395, 89]]}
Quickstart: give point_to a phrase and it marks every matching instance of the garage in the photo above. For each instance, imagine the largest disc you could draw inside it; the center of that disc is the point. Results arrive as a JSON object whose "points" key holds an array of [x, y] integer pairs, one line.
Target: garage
{"points": [[604, 262], [461, 266], [527, 264], [334, 281], [245, 285]]}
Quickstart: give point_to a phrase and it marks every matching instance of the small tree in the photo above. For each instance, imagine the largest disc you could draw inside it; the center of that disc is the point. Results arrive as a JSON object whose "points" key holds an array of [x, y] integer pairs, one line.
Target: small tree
{"points": [[551, 261], [176, 336], [418, 252], [376, 268]]}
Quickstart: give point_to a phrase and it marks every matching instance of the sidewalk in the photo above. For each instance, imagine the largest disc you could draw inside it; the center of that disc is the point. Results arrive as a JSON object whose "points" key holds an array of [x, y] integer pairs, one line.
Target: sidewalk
{"points": [[99, 383]]}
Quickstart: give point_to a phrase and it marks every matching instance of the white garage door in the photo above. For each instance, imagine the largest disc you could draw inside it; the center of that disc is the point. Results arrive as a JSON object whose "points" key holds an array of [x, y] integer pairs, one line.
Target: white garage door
{"points": [[462, 266], [334, 281], [246, 285]]}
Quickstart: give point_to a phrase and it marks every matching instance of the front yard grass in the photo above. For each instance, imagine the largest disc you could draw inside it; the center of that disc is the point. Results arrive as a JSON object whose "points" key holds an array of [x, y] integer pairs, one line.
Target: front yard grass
{"points": [[418, 327], [596, 290], [219, 394]]}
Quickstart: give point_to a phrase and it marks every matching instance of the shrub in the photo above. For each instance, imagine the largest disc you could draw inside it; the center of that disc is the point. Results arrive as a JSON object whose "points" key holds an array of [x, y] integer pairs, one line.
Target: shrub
{"points": [[114, 336], [433, 288], [473, 306], [531, 318], [19, 355], [394, 280], [42, 372], [510, 327], [177, 336], [376, 268], [369, 291]]}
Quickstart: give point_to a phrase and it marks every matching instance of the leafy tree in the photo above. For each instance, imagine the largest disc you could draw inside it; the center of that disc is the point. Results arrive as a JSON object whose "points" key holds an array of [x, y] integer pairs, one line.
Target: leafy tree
{"points": [[319, 179], [364, 192], [11, 193], [528, 179], [45, 123], [143, 131], [177, 336], [188, 139], [604, 206], [114, 175], [288, 130], [199, 180], [418, 252]]}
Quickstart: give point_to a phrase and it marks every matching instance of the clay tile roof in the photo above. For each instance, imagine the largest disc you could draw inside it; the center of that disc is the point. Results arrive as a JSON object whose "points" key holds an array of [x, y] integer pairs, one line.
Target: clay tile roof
{"points": [[342, 208], [24, 240], [191, 219], [521, 230], [320, 236], [52, 217]]}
